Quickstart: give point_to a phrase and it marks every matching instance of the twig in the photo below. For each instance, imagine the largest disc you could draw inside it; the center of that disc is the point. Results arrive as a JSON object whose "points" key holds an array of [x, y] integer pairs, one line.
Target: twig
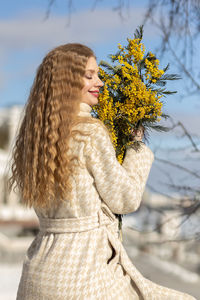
{"points": [[183, 66], [177, 166], [180, 124]]}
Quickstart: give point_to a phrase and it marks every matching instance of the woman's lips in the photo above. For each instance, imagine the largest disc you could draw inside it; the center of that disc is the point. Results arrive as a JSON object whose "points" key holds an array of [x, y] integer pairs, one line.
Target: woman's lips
{"points": [[95, 94]]}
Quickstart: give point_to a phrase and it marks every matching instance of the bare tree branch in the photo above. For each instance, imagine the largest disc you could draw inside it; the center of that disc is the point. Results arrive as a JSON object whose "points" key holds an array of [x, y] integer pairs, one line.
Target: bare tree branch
{"points": [[180, 21], [69, 4], [182, 65], [183, 188], [49, 7], [153, 189], [177, 166], [120, 6], [186, 133]]}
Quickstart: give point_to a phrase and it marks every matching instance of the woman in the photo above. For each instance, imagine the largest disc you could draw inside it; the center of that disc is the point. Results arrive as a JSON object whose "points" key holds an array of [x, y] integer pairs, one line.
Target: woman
{"points": [[65, 167]]}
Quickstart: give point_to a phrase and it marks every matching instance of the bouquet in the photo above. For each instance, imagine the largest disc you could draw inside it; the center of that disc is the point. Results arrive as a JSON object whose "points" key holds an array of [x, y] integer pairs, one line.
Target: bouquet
{"points": [[134, 87], [132, 96]]}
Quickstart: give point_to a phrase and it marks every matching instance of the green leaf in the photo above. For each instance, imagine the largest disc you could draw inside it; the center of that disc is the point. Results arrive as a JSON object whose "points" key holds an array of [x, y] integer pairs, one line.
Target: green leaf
{"points": [[164, 116], [166, 68], [139, 32], [170, 77], [160, 83], [106, 65], [159, 128], [161, 91]]}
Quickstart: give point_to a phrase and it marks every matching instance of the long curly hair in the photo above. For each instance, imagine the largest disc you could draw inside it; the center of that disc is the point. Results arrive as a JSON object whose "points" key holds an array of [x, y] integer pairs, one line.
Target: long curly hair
{"points": [[41, 166]]}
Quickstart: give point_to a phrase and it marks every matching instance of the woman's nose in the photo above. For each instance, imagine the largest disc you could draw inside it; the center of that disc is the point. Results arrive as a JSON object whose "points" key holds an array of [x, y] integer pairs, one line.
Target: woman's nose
{"points": [[99, 82]]}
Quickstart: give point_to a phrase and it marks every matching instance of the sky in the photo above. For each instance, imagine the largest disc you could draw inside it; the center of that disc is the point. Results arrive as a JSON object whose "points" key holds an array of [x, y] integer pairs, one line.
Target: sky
{"points": [[26, 36]]}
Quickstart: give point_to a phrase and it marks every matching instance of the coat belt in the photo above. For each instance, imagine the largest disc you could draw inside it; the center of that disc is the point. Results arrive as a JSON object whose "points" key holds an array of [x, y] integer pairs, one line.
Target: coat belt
{"points": [[72, 225]]}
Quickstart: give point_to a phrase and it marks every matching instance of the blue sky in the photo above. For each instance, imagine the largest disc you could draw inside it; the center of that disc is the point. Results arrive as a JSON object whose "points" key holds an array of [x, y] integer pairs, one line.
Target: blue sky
{"points": [[25, 38]]}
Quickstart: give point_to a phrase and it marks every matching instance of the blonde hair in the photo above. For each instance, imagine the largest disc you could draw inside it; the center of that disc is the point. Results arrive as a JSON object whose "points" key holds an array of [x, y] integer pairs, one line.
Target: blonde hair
{"points": [[41, 166]]}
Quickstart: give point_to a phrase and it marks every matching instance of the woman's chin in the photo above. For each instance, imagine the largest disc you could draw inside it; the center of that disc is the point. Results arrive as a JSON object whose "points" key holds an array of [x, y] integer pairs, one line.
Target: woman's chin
{"points": [[93, 102]]}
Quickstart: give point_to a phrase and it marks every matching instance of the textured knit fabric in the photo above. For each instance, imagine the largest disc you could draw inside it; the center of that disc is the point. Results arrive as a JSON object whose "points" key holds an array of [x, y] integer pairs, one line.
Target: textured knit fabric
{"points": [[77, 253]]}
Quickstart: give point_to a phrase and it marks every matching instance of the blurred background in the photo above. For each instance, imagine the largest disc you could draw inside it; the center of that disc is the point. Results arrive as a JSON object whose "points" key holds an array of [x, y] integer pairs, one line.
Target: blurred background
{"points": [[162, 237]]}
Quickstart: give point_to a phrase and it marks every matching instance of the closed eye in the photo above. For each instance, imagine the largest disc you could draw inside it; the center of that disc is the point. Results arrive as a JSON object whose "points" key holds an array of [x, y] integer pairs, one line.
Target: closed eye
{"points": [[88, 76]]}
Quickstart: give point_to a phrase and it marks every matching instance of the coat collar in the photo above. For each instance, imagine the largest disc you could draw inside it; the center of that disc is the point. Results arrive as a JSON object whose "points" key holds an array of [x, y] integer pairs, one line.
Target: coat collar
{"points": [[85, 110]]}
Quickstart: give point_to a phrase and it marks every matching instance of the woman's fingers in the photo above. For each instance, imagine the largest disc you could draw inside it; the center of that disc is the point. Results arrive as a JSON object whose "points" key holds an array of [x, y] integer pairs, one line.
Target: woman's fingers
{"points": [[138, 134]]}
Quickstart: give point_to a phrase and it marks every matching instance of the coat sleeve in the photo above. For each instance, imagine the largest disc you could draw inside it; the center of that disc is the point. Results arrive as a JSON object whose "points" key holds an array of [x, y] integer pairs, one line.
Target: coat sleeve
{"points": [[119, 186]]}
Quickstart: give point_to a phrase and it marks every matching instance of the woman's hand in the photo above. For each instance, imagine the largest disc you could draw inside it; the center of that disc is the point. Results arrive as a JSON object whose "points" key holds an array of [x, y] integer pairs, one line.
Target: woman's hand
{"points": [[138, 134]]}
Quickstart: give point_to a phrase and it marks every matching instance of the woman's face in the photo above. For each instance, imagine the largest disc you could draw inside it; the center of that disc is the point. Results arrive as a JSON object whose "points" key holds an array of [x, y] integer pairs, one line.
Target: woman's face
{"points": [[92, 83]]}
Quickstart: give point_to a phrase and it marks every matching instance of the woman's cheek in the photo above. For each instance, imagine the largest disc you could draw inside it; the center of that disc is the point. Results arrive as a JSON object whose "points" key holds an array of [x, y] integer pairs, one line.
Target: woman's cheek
{"points": [[87, 85]]}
